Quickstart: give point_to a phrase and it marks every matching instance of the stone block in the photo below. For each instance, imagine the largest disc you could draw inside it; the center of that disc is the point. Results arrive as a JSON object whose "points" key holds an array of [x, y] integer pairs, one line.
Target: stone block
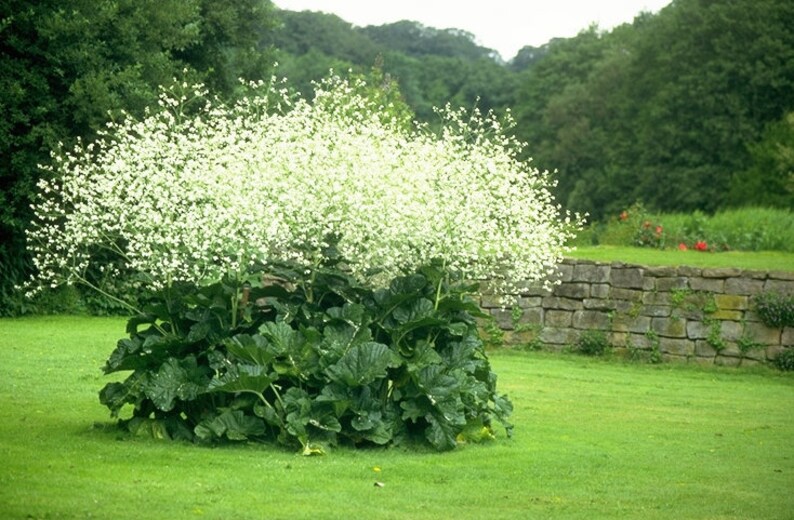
{"points": [[591, 320], [727, 361], [756, 354], [618, 339], [503, 318], [533, 316], [599, 304], [787, 338], [490, 301], [572, 290], [625, 294], [781, 275], [657, 271], [669, 327], [528, 302], [599, 290], [689, 272], [760, 333], [755, 275], [779, 286], [731, 301], [673, 283], [713, 285], [656, 298], [668, 358], [555, 302], [519, 337], [627, 278], [721, 272], [726, 315], [743, 286], [625, 323], [704, 349], [659, 311], [624, 307], [559, 319], [697, 330], [639, 341], [591, 273], [773, 352], [677, 347], [730, 350], [563, 273], [731, 330], [555, 336], [531, 289]]}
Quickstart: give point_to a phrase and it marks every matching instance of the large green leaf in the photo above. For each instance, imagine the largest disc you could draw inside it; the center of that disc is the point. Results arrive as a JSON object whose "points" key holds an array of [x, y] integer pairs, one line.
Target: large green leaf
{"points": [[442, 432], [424, 354], [183, 380], [362, 364], [243, 378], [417, 310], [235, 425], [282, 337], [435, 383], [250, 349]]}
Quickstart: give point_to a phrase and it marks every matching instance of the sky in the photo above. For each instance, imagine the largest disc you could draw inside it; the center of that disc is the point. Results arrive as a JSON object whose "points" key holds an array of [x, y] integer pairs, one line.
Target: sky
{"points": [[503, 25]]}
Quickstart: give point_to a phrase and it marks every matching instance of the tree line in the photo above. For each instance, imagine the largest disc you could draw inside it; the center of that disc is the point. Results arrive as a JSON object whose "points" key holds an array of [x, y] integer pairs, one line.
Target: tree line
{"points": [[691, 108]]}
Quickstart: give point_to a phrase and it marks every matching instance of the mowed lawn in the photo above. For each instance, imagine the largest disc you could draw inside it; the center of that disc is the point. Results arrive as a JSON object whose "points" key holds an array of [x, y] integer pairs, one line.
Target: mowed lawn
{"points": [[593, 439]]}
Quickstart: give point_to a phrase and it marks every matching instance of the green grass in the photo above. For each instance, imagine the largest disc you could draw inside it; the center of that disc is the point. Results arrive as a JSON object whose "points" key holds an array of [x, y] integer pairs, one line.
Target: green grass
{"points": [[593, 439], [753, 260]]}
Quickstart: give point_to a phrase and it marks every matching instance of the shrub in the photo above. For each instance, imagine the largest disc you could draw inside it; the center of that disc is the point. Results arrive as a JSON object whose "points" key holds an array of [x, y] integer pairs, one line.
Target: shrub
{"points": [[775, 310], [785, 360], [339, 202], [350, 365], [592, 343]]}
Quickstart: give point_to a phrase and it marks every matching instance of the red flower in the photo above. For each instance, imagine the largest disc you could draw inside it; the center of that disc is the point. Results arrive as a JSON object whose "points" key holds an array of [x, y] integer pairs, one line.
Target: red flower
{"points": [[701, 246], [624, 215], [682, 246], [658, 230]]}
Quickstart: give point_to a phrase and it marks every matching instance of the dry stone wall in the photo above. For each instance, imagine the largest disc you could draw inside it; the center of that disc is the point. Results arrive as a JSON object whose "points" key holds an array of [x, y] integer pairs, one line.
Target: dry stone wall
{"points": [[663, 313]]}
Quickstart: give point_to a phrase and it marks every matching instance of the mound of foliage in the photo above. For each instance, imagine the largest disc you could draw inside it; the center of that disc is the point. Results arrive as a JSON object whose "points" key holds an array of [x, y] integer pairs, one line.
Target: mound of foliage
{"points": [[350, 365], [365, 223]]}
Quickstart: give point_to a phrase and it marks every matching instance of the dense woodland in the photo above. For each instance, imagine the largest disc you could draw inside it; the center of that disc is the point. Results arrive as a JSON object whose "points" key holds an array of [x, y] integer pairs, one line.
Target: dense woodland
{"points": [[688, 109]]}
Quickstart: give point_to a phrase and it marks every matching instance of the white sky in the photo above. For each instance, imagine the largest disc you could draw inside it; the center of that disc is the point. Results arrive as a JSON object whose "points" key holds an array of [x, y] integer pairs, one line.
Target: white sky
{"points": [[504, 25]]}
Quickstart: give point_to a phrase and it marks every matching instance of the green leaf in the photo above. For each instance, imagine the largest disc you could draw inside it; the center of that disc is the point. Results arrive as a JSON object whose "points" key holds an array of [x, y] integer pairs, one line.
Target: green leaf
{"points": [[116, 395], [182, 380], [362, 364], [283, 338], [423, 354], [435, 383], [235, 425], [243, 378], [250, 349], [441, 432], [128, 355], [417, 310], [139, 319]]}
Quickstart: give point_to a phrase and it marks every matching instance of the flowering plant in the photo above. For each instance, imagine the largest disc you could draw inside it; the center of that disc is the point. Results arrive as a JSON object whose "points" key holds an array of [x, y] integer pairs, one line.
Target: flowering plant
{"points": [[308, 261], [195, 197]]}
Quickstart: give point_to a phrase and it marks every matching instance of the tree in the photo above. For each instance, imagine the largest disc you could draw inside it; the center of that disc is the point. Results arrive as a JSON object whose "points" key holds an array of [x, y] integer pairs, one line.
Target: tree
{"points": [[770, 179], [66, 68]]}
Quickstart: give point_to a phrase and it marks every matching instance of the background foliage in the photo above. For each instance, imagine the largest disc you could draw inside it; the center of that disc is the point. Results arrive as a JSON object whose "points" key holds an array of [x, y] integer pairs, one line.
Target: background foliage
{"points": [[688, 109]]}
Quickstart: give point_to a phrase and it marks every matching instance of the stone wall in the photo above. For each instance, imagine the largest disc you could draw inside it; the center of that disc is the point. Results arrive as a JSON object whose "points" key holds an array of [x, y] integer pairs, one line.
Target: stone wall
{"points": [[661, 313]]}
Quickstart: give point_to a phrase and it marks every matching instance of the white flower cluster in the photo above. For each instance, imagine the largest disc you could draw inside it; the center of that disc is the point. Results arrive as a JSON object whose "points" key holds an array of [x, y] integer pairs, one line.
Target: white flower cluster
{"points": [[272, 178]]}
